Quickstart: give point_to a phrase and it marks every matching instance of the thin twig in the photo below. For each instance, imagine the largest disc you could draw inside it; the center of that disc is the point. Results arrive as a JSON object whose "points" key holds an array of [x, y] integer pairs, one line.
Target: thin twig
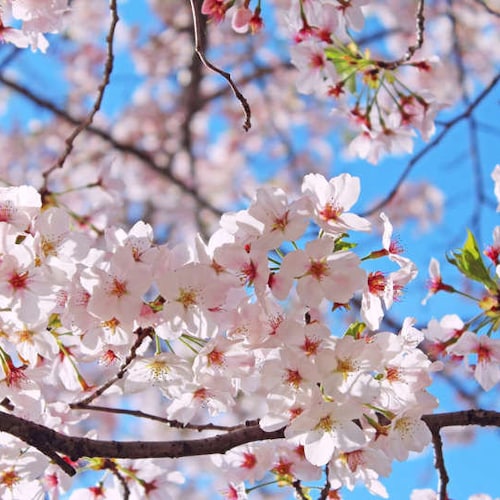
{"points": [[171, 423], [198, 49], [108, 68], [142, 333], [458, 54], [419, 41], [297, 486], [110, 465], [485, 6], [326, 488]]}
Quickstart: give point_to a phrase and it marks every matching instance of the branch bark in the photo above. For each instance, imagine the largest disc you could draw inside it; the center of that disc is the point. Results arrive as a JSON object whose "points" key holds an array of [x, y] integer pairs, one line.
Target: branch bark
{"points": [[51, 442]]}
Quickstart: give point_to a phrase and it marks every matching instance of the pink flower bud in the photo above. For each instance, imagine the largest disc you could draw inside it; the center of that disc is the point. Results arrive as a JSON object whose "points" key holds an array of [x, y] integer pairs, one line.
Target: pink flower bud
{"points": [[241, 18]]}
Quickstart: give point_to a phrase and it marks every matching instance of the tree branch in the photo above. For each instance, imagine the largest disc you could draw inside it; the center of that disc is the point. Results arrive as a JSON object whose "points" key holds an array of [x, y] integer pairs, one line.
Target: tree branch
{"points": [[51, 442], [446, 128], [170, 423], [48, 441], [419, 40], [459, 418], [199, 50], [108, 68], [142, 334]]}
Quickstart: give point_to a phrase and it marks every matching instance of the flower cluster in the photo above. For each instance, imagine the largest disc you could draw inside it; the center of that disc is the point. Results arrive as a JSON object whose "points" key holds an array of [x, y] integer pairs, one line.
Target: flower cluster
{"points": [[373, 94], [451, 336], [351, 397], [36, 16]]}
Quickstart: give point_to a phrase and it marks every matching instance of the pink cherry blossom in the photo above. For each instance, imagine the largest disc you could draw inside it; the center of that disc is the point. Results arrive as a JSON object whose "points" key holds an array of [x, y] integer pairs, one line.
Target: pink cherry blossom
{"points": [[310, 60], [322, 273], [331, 201], [119, 289], [326, 428], [241, 19], [487, 368], [435, 283], [495, 175]]}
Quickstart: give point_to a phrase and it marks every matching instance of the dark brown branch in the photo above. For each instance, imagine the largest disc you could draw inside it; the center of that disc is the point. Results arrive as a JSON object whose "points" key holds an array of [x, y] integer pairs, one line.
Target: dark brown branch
{"points": [[114, 470], [199, 50], [108, 68], [459, 418], [326, 488], [483, 418], [446, 128], [485, 6], [444, 479], [297, 486], [44, 439], [51, 442], [458, 54]]}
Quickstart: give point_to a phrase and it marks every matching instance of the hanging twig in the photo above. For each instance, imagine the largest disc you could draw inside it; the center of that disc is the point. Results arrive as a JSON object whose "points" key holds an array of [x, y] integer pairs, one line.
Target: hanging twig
{"points": [[197, 47], [419, 41]]}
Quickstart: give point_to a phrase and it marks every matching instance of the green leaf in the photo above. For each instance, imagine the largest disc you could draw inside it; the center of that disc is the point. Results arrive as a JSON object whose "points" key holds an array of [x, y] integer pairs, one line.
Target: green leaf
{"points": [[340, 244], [355, 329], [54, 322], [345, 65], [469, 261]]}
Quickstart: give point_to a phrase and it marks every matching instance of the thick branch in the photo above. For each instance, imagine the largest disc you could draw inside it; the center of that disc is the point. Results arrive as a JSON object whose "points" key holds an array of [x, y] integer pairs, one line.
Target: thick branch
{"points": [[483, 418], [45, 439], [437, 422], [51, 442]]}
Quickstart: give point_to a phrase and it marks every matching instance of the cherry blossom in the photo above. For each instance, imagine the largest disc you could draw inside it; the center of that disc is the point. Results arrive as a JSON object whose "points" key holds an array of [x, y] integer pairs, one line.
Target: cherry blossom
{"points": [[326, 428], [487, 369], [331, 200], [319, 272], [495, 175], [435, 283]]}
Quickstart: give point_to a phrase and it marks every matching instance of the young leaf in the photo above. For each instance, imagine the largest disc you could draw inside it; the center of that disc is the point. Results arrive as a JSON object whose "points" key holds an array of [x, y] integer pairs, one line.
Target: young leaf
{"points": [[469, 262]]}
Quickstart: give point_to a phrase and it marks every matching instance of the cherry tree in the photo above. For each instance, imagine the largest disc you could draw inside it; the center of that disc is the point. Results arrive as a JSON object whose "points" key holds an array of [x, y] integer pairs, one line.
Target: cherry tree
{"points": [[198, 258]]}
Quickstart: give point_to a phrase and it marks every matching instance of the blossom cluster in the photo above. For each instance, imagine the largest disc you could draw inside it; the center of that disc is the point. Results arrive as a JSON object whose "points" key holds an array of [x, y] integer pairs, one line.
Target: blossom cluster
{"points": [[385, 92], [373, 94], [37, 17], [250, 306], [453, 338]]}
